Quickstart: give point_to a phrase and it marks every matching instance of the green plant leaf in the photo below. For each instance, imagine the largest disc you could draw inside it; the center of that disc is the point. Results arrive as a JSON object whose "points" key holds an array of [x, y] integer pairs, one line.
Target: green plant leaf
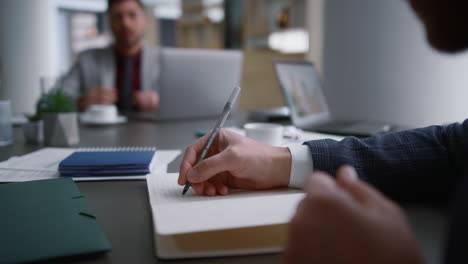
{"points": [[55, 102]]}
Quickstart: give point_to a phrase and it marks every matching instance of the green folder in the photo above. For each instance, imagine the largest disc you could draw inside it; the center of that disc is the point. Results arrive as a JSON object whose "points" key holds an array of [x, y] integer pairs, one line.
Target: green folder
{"points": [[44, 220]]}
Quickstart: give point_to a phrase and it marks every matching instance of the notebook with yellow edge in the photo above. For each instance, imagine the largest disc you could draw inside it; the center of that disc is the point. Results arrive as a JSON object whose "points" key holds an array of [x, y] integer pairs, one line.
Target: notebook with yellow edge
{"points": [[241, 223]]}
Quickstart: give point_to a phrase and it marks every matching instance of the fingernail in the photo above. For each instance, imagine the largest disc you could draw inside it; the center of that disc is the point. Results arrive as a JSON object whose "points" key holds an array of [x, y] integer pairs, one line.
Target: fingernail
{"points": [[179, 181], [350, 173], [224, 190]]}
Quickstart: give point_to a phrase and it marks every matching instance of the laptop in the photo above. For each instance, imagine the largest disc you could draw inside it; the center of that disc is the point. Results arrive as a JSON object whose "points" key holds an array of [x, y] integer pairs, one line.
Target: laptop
{"points": [[196, 83], [302, 90]]}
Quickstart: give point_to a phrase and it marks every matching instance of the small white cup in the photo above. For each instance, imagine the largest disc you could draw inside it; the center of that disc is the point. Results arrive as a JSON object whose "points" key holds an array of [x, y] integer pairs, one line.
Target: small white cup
{"points": [[271, 134], [102, 113]]}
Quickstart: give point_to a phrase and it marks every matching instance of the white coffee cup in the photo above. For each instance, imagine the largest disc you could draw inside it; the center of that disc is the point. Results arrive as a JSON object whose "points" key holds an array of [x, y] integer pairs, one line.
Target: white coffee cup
{"points": [[271, 134], [102, 113]]}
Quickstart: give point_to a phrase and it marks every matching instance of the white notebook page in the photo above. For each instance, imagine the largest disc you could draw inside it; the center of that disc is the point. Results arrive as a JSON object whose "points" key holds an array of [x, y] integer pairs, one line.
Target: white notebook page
{"points": [[177, 214]]}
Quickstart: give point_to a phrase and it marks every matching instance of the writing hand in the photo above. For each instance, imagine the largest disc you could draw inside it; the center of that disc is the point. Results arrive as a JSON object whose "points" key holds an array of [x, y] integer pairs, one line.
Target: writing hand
{"points": [[146, 100], [234, 161]]}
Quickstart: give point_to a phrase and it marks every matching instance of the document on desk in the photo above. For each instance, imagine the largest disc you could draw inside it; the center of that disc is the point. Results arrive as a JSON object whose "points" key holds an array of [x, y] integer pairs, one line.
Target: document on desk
{"points": [[43, 164], [46, 220], [243, 222]]}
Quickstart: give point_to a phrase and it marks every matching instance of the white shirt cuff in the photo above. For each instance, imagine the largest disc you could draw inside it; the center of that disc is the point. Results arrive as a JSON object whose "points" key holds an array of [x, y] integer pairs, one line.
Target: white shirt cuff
{"points": [[302, 165]]}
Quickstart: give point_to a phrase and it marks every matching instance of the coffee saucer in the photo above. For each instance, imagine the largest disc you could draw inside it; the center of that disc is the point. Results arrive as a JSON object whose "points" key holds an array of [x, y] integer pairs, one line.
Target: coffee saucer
{"points": [[85, 119]]}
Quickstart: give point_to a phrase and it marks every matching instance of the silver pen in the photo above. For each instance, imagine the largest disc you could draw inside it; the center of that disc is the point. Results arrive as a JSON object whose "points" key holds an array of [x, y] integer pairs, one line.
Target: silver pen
{"points": [[224, 115]]}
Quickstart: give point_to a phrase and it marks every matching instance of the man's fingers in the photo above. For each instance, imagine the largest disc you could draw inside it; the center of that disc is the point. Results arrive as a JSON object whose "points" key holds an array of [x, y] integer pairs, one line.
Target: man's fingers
{"points": [[106, 100], [153, 105], [102, 99], [147, 100], [103, 95], [319, 182], [99, 91], [221, 188], [190, 158], [347, 179], [198, 188], [324, 196], [155, 99], [108, 92], [209, 189], [210, 167]]}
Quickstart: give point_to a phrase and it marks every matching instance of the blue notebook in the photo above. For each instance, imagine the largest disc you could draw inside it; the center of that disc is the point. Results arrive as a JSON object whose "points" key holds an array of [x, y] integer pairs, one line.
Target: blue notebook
{"points": [[107, 163]]}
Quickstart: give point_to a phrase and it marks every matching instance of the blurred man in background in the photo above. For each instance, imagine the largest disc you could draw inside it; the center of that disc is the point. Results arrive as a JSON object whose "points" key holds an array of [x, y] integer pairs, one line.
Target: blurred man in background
{"points": [[125, 73]]}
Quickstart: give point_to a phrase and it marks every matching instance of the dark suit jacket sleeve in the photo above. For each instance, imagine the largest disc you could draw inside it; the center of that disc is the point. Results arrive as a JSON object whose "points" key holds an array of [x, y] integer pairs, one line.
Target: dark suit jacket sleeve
{"points": [[421, 164]]}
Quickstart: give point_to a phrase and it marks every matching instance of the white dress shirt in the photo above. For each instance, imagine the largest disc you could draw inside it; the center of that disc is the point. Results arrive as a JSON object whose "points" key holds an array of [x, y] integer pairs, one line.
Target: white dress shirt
{"points": [[302, 165]]}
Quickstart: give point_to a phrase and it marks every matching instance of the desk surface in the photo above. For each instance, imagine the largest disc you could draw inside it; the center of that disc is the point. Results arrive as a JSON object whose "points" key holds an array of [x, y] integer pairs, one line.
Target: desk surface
{"points": [[122, 207]]}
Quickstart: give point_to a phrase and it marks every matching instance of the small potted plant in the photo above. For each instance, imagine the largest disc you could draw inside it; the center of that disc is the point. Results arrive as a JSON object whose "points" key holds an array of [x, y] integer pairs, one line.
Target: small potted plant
{"points": [[34, 129], [58, 111]]}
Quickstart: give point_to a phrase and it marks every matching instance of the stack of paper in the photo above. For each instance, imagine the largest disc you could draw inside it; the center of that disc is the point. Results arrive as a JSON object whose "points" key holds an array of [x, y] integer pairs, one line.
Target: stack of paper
{"points": [[43, 164]]}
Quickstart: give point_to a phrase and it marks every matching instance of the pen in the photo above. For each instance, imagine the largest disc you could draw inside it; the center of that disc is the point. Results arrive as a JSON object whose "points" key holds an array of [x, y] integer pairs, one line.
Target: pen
{"points": [[224, 115]]}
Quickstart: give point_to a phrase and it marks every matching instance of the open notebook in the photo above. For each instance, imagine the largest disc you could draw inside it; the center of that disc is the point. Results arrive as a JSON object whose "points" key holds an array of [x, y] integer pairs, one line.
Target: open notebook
{"points": [[240, 223]]}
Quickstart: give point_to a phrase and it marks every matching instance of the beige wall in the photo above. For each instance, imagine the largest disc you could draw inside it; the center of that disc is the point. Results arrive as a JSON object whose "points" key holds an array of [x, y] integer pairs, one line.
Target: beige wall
{"points": [[152, 32], [260, 88], [315, 15]]}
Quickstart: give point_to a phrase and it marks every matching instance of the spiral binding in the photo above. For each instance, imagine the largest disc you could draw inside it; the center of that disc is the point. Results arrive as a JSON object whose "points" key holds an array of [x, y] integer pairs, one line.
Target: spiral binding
{"points": [[110, 149]]}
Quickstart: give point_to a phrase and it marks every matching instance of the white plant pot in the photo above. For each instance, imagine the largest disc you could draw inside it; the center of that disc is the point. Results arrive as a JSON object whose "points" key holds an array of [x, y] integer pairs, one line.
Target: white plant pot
{"points": [[34, 132], [61, 130]]}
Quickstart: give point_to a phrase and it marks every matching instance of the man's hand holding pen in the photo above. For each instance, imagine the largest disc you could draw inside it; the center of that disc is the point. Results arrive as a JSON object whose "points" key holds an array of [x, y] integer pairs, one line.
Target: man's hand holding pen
{"points": [[234, 161]]}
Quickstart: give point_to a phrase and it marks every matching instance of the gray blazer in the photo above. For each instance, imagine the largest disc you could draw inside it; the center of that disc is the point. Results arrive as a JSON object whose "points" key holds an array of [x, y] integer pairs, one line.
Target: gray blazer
{"points": [[96, 67]]}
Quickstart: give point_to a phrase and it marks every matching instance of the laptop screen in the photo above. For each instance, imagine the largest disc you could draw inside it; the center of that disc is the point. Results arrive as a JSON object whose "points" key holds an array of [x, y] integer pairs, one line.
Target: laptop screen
{"points": [[302, 90], [301, 86]]}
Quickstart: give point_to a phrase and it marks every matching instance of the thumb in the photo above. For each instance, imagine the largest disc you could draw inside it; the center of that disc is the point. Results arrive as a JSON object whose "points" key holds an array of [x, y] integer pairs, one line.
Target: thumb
{"points": [[347, 178], [210, 167]]}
